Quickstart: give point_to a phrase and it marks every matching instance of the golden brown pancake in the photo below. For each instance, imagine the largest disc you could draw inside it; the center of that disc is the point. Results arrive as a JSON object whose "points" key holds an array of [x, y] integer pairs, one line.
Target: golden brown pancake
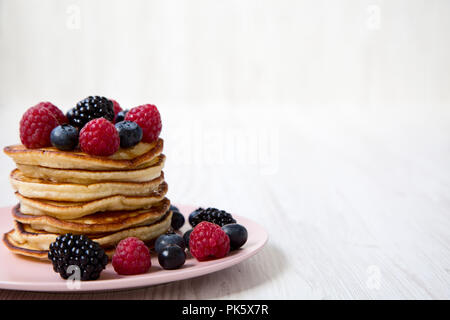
{"points": [[95, 223], [73, 210], [43, 189], [51, 157], [32, 243], [149, 172]]}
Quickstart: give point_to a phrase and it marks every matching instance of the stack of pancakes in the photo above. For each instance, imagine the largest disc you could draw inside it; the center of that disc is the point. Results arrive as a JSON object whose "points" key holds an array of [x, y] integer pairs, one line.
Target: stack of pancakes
{"points": [[106, 198]]}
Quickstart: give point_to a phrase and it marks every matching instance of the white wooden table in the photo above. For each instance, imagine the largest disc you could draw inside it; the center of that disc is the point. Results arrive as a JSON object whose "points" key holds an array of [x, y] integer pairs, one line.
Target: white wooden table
{"points": [[356, 202]]}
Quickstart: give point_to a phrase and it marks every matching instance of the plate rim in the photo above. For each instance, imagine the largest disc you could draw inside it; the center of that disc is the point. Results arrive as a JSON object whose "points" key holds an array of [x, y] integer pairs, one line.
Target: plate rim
{"points": [[147, 279]]}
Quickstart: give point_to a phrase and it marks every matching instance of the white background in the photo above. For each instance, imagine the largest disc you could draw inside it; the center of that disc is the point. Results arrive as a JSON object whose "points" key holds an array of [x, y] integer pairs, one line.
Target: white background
{"points": [[327, 121]]}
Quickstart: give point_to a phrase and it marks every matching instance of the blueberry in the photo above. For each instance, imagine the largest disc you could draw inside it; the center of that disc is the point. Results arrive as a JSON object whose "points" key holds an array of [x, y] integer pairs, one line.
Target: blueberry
{"points": [[64, 137], [172, 257], [167, 239], [177, 220], [193, 214], [129, 132], [121, 116], [186, 236], [237, 233], [173, 208]]}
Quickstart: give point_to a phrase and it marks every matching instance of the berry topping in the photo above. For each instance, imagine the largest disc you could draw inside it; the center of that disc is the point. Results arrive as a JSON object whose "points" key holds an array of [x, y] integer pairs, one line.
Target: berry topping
{"points": [[237, 233], [131, 257], [64, 137], [116, 108], [89, 109], [62, 119], [148, 118], [165, 239], [193, 214], [213, 215], [120, 116], [186, 236], [35, 127], [208, 240], [77, 251], [172, 257], [99, 137], [177, 220], [129, 132]]}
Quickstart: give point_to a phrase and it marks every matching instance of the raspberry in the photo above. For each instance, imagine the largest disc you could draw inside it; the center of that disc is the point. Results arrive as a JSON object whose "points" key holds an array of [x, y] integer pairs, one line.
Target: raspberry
{"points": [[60, 116], [148, 118], [208, 240], [35, 127], [99, 137], [131, 257], [117, 108]]}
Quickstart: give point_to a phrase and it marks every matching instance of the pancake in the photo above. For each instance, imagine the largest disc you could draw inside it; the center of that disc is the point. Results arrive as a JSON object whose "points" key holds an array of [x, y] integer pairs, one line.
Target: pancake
{"points": [[51, 157], [43, 189], [73, 210], [148, 172], [28, 242], [96, 223]]}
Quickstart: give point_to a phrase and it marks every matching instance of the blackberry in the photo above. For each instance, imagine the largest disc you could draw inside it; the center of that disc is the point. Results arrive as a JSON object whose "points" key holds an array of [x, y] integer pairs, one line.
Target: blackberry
{"points": [[89, 109], [77, 250], [219, 217]]}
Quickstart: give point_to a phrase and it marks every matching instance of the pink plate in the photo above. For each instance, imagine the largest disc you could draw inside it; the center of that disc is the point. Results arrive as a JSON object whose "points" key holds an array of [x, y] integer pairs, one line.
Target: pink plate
{"points": [[22, 273]]}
